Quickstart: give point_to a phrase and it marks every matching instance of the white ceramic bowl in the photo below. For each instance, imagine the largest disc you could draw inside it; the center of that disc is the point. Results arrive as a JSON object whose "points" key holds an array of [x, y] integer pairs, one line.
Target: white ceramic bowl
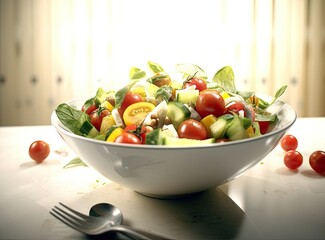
{"points": [[166, 172]]}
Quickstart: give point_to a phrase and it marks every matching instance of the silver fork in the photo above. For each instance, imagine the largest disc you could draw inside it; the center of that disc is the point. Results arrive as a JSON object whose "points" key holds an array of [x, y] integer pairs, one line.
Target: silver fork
{"points": [[88, 224]]}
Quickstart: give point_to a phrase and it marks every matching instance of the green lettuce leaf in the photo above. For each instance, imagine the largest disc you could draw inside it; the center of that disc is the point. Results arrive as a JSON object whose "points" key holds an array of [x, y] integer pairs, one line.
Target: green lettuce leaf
{"points": [[71, 118], [225, 78]]}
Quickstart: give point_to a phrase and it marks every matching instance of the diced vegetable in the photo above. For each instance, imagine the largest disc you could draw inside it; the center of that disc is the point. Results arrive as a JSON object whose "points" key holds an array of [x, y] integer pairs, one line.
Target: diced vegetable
{"points": [[177, 113]]}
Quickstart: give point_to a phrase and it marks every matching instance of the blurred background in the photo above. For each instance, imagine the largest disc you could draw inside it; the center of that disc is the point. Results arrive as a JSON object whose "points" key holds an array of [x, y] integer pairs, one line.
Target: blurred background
{"points": [[54, 50]]}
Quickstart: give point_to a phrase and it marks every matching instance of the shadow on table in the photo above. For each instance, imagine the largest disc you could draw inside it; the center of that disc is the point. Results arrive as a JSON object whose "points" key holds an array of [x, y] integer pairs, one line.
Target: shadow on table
{"points": [[207, 215]]}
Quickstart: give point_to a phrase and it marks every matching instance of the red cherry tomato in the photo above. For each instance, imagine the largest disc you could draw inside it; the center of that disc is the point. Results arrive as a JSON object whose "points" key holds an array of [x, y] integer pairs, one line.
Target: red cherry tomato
{"points": [[293, 159], [264, 126], [139, 131], [129, 138], [210, 102], [317, 161], [129, 99], [192, 129], [96, 117], [235, 107], [39, 150], [90, 109], [289, 142], [197, 82]]}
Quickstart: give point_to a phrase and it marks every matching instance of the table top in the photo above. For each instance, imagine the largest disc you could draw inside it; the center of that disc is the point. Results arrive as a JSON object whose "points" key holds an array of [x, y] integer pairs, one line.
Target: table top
{"points": [[266, 202]]}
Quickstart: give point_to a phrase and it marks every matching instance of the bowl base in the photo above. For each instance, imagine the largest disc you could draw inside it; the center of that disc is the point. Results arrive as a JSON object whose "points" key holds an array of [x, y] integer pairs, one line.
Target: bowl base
{"points": [[167, 197]]}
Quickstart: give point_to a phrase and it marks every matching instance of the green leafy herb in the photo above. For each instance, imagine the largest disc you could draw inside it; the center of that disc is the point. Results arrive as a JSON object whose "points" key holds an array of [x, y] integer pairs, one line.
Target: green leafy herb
{"points": [[155, 67], [136, 73], [89, 102], [119, 95], [279, 93], [191, 70], [225, 78], [71, 117], [76, 162], [164, 93], [101, 96]]}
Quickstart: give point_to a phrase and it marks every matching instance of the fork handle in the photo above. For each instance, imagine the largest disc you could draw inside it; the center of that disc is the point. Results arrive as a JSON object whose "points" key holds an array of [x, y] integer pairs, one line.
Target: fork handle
{"points": [[130, 232]]}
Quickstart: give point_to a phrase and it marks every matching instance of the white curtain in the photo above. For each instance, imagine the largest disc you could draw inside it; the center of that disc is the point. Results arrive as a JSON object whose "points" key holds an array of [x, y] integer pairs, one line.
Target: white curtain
{"points": [[78, 45], [268, 43]]}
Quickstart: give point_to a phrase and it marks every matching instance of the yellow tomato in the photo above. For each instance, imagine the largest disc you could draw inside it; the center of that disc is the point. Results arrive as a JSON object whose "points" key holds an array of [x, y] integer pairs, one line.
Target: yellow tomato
{"points": [[137, 112], [208, 121], [116, 132], [107, 122]]}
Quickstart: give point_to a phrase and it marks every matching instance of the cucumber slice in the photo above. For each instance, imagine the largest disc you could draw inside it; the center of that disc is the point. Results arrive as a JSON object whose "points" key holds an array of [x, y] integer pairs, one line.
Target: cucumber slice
{"points": [[218, 128], [187, 96], [88, 129], [177, 113], [187, 141], [236, 130], [155, 137]]}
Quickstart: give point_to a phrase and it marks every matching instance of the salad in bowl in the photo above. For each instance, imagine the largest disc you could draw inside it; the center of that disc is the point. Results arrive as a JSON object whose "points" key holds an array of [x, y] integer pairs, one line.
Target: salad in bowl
{"points": [[155, 109], [166, 136]]}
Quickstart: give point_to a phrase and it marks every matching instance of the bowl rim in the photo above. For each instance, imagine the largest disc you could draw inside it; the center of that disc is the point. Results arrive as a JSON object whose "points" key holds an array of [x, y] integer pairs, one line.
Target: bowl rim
{"points": [[55, 122]]}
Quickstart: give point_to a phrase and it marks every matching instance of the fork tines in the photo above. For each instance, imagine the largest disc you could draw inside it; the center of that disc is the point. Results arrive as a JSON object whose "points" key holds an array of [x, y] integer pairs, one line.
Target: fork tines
{"points": [[70, 216]]}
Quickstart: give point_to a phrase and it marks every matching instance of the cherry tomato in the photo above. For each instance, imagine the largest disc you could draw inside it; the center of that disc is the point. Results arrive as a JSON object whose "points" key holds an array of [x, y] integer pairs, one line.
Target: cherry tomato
{"points": [[129, 99], [129, 138], [293, 159], [140, 131], [264, 126], [90, 109], [137, 112], [289, 142], [197, 82], [235, 107], [192, 129], [210, 102], [96, 117], [317, 161], [39, 150]]}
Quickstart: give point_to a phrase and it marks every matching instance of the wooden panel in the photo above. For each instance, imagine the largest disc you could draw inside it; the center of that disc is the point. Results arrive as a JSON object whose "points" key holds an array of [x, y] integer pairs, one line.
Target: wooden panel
{"points": [[315, 82], [9, 49]]}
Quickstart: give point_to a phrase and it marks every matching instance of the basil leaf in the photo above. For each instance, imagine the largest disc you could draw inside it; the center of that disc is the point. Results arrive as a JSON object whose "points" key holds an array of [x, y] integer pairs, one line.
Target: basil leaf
{"points": [[225, 78], [89, 103], [155, 67], [136, 73], [71, 118], [120, 94], [101, 96], [76, 162], [279, 93], [265, 117], [164, 93], [191, 70]]}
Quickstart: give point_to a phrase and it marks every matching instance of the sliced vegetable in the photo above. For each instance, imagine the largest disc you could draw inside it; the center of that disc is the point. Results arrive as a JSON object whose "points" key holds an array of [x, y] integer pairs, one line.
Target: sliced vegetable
{"points": [[107, 122], [155, 137], [207, 122], [114, 134], [137, 112], [88, 129], [236, 130], [218, 128], [187, 96], [177, 113]]}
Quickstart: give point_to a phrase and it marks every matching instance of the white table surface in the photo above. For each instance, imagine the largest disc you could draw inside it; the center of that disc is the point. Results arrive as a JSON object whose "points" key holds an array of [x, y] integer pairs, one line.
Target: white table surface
{"points": [[266, 202]]}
